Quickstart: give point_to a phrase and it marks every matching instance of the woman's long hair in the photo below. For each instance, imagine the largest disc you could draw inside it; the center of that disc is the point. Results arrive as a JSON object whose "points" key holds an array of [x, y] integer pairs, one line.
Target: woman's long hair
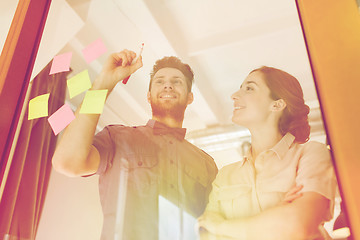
{"points": [[295, 116]]}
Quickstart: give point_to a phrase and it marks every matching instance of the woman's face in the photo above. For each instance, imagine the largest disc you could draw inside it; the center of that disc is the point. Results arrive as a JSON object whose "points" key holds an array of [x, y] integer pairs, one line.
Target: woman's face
{"points": [[252, 102]]}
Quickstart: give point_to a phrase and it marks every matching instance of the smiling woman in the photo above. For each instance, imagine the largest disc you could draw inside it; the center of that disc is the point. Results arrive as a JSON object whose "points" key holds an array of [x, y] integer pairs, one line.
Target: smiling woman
{"points": [[251, 194]]}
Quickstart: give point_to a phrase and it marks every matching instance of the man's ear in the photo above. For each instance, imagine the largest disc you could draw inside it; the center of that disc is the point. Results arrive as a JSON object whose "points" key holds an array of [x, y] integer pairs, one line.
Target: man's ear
{"points": [[148, 97], [278, 105], [190, 98]]}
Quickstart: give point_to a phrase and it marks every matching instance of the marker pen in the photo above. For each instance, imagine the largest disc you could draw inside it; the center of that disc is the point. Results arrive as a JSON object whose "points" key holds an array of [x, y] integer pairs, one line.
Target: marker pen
{"points": [[137, 57]]}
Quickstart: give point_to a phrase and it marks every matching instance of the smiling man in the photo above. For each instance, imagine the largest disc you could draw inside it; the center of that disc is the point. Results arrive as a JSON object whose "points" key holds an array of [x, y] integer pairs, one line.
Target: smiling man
{"points": [[153, 184]]}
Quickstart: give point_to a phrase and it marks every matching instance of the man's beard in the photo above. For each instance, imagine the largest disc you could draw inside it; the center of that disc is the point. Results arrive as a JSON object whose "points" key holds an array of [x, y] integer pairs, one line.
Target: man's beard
{"points": [[175, 111]]}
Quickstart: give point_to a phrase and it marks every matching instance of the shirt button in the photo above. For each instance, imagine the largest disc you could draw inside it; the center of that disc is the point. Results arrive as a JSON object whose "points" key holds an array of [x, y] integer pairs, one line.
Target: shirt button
{"points": [[140, 163], [171, 161], [170, 142], [171, 185]]}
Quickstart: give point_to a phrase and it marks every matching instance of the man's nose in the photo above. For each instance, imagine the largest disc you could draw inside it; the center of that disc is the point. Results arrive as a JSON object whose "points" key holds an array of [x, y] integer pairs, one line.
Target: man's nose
{"points": [[168, 85]]}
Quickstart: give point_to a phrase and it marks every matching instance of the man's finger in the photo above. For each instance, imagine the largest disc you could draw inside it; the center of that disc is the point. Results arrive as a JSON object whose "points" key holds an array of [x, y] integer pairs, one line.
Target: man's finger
{"points": [[129, 57], [135, 66]]}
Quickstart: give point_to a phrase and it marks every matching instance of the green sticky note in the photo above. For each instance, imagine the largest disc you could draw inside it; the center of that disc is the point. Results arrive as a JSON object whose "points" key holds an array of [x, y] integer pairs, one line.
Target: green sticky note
{"points": [[79, 83], [94, 101], [38, 106]]}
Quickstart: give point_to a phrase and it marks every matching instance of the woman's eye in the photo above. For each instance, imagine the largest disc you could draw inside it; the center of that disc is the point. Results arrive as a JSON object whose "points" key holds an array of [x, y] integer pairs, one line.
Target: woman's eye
{"points": [[249, 89]]}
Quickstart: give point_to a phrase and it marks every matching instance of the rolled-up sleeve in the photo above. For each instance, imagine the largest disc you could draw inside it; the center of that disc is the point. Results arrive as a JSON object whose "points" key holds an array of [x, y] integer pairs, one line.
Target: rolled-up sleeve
{"points": [[213, 204], [315, 171], [105, 145], [214, 197]]}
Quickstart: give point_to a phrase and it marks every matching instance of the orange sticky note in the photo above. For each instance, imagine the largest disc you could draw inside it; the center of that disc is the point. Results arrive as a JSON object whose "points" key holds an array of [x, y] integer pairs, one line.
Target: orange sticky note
{"points": [[94, 50], [61, 63], [94, 101], [38, 106], [61, 118], [79, 83]]}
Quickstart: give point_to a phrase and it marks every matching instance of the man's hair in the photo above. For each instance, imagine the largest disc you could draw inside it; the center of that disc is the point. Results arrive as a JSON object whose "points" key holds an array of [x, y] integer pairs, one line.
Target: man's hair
{"points": [[173, 62]]}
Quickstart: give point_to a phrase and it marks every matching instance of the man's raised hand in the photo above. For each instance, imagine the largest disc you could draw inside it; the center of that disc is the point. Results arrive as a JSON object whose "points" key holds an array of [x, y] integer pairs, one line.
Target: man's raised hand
{"points": [[117, 67]]}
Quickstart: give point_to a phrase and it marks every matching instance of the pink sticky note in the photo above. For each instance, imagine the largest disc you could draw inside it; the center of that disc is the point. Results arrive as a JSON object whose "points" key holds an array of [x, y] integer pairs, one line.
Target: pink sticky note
{"points": [[61, 63], [94, 50], [61, 118]]}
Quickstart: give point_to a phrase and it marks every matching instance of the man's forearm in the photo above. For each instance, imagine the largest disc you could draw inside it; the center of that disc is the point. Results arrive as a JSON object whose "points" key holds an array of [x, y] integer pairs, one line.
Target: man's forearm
{"points": [[74, 146], [73, 149]]}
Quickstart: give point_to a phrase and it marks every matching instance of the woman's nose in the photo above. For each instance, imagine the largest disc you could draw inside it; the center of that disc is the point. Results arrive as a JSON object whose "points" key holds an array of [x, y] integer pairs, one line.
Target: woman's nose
{"points": [[235, 95]]}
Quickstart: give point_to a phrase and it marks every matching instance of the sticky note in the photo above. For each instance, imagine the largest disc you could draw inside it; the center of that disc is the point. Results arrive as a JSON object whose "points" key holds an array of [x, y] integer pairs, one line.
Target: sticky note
{"points": [[94, 50], [61, 63], [94, 101], [61, 118], [79, 83], [38, 106]]}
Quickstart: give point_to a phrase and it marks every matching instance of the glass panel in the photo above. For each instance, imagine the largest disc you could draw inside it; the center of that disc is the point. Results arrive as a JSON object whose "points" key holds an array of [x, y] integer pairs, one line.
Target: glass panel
{"points": [[223, 41], [7, 11]]}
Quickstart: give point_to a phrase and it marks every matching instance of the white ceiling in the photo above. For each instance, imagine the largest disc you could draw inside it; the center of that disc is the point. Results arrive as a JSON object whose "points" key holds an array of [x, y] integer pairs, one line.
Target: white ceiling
{"points": [[223, 40]]}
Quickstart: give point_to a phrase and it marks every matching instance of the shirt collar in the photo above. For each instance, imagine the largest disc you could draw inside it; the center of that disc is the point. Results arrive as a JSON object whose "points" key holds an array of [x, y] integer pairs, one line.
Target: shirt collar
{"points": [[283, 145], [279, 149], [161, 129]]}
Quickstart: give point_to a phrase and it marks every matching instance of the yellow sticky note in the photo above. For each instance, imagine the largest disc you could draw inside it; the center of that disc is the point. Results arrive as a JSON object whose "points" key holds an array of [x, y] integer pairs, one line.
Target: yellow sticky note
{"points": [[94, 101], [38, 106], [79, 83]]}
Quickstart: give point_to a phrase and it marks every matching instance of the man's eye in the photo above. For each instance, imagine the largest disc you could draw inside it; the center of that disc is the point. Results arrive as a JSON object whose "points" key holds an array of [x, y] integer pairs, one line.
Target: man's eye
{"points": [[159, 81]]}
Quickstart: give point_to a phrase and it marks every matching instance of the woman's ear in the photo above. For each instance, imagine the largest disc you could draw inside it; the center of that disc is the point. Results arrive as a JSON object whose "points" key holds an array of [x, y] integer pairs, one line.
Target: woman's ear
{"points": [[190, 98], [278, 105], [148, 97]]}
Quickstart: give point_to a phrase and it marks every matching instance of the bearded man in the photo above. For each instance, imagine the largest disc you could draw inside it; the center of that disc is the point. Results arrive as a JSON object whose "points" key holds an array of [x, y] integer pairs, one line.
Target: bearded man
{"points": [[153, 184]]}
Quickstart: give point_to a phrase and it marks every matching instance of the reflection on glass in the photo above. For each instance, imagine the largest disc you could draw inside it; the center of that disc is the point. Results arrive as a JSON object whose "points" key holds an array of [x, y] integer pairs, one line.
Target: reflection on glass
{"points": [[222, 41], [7, 11], [174, 223]]}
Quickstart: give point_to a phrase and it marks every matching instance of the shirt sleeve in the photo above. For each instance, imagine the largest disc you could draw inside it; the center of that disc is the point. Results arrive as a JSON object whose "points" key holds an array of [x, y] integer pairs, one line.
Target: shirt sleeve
{"points": [[105, 145], [315, 171], [214, 197], [213, 204], [217, 193]]}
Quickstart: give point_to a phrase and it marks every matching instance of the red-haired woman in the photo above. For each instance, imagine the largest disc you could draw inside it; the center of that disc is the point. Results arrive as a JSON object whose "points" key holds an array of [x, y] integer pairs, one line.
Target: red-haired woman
{"points": [[247, 197]]}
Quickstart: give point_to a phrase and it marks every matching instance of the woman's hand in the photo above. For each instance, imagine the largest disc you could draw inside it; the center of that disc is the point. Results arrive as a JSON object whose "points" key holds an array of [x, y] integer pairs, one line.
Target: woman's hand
{"points": [[292, 194], [117, 67], [211, 221]]}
